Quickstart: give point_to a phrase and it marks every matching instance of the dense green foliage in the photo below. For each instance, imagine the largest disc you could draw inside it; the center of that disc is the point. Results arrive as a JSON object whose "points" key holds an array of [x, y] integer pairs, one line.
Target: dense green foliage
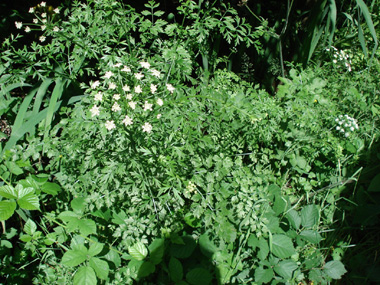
{"points": [[137, 155]]}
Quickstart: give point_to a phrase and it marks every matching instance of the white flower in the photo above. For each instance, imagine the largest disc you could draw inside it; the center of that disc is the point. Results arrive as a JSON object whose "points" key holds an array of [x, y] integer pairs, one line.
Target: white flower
{"points": [[18, 25], [132, 105], [337, 128], [94, 111], [126, 69], [43, 4], [43, 15], [95, 84], [158, 116], [334, 61], [116, 96], [43, 20], [116, 107], [108, 74], [56, 10], [55, 29], [127, 121], [155, 73], [148, 106], [147, 128], [112, 86], [126, 88], [43, 28], [110, 125], [117, 65], [42, 38], [170, 88], [346, 135], [139, 75], [129, 96], [35, 21], [27, 29], [352, 129], [138, 89], [31, 10], [145, 64], [160, 102], [98, 97], [153, 88]]}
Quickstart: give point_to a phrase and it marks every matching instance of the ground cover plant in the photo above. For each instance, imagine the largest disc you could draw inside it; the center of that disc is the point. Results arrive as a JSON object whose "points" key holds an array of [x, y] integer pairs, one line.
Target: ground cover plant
{"points": [[137, 156]]}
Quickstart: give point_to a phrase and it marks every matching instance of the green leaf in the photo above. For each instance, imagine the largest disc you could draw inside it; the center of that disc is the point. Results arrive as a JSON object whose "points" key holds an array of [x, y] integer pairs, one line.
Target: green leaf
{"points": [[335, 269], [87, 227], [309, 216], [26, 238], [78, 205], [294, 219], [156, 251], [8, 192], [374, 186], [264, 249], [95, 248], [146, 269], [285, 268], [114, 257], [50, 188], [175, 269], [206, 246], [85, 276], [138, 251], [199, 276], [7, 208], [100, 266], [74, 257], [29, 201], [185, 250], [68, 216], [263, 275], [30, 227], [311, 236], [282, 246]]}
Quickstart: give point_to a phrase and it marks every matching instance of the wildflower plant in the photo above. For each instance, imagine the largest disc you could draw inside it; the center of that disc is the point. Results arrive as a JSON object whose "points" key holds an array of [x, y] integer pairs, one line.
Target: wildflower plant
{"points": [[346, 125]]}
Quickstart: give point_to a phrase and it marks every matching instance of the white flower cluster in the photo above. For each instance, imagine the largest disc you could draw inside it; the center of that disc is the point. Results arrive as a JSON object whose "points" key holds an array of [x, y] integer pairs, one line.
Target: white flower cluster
{"points": [[190, 188], [341, 57], [129, 94], [346, 125]]}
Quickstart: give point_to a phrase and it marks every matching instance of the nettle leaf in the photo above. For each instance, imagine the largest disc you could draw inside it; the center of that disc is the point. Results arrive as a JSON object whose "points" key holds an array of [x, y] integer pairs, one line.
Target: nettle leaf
{"points": [[156, 250], [311, 236], [30, 227], [85, 276], [199, 276], [175, 269], [285, 268], [282, 246], [74, 257], [263, 275], [138, 251], [8, 192], [100, 266], [309, 216], [7, 209], [335, 269]]}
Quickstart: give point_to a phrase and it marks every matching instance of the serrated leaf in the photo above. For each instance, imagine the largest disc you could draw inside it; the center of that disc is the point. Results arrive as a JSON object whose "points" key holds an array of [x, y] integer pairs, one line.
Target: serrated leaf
{"points": [[85, 276], [7, 208], [175, 269], [22, 192], [199, 276], [311, 236], [263, 275], [309, 216], [282, 246], [285, 268], [78, 205], [264, 249], [114, 257], [29, 201], [335, 269], [74, 257], [8, 192], [156, 251], [30, 227], [51, 188], [26, 238], [87, 227], [100, 266], [294, 219], [68, 216], [95, 248], [146, 269], [138, 251]]}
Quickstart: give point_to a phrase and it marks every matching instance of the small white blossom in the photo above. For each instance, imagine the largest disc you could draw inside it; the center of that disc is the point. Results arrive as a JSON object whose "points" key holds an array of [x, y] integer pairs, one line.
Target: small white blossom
{"points": [[95, 84], [127, 121], [31, 10], [94, 111], [155, 73], [148, 106], [55, 29], [108, 74], [132, 105], [117, 64], [98, 97], [160, 102], [18, 25], [110, 125], [170, 88], [43, 15], [126, 88], [126, 69], [346, 135], [56, 10], [138, 89], [153, 88], [43, 28], [129, 96], [337, 128], [147, 128], [43, 20], [116, 96], [116, 107], [112, 86], [42, 38], [145, 64], [139, 75], [158, 116], [27, 29], [43, 4], [35, 21]]}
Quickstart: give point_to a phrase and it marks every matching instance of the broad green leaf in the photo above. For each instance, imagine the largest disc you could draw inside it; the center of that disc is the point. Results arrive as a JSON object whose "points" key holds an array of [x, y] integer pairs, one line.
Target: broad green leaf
{"points": [[285, 268], [95, 248], [138, 251], [74, 257], [78, 205], [263, 249], [26, 238], [100, 266], [146, 269], [309, 216], [311, 236], [206, 246], [22, 192], [282, 246], [114, 257], [30, 227], [335, 269], [87, 227], [85, 276], [199, 276], [29, 202], [156, 251], [294, 219], [68, 216], [175, 269], [7, 208], [8, 192], [183, 250], [14, 168], [374, 186], [51, 188], [263, 275]]}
